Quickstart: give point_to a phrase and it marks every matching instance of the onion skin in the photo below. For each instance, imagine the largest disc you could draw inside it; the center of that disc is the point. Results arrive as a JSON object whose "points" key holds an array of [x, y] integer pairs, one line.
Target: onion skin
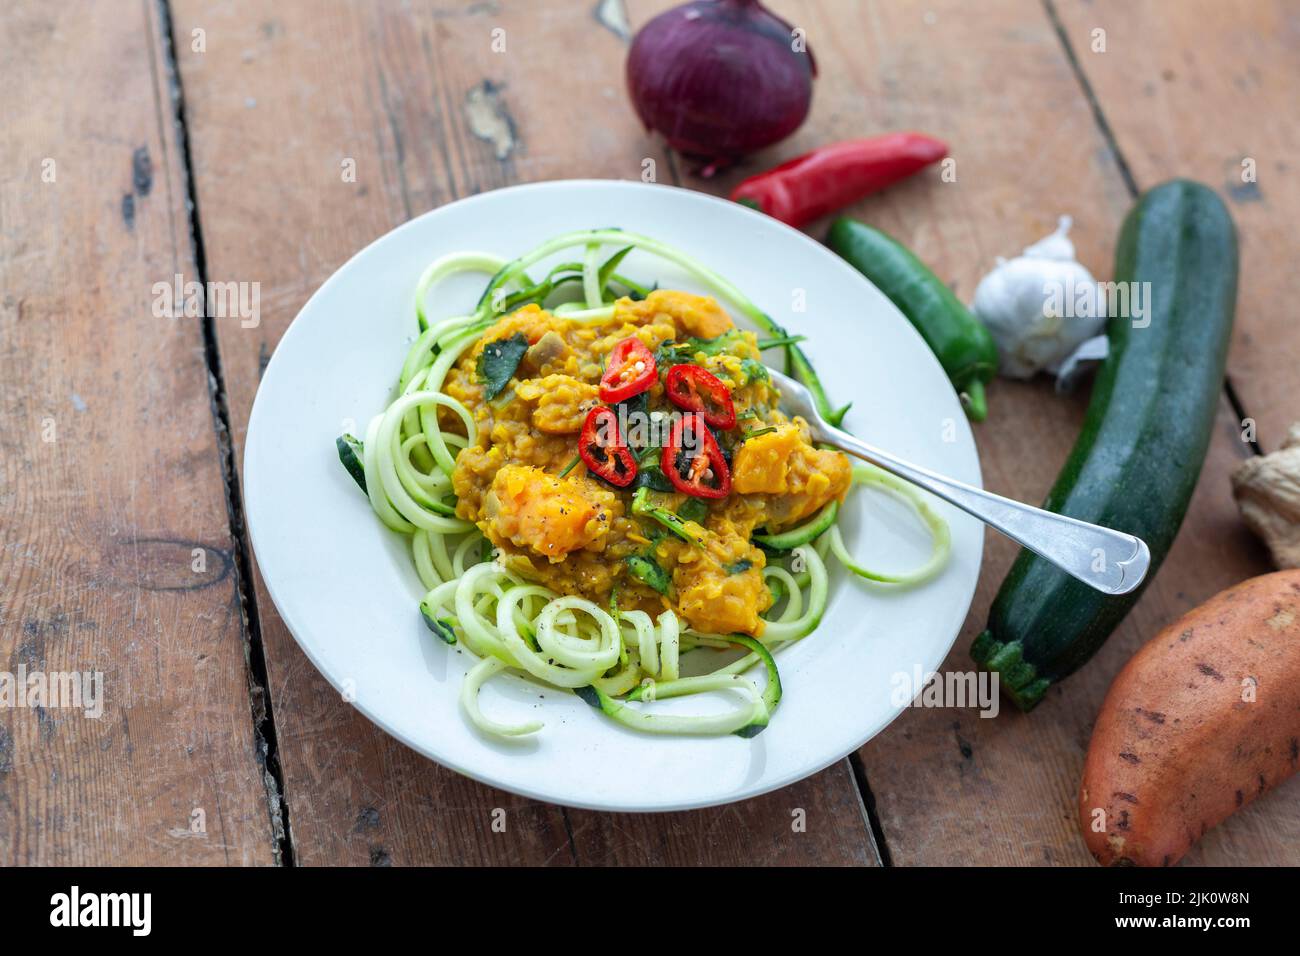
{"points": [[719, 79]]}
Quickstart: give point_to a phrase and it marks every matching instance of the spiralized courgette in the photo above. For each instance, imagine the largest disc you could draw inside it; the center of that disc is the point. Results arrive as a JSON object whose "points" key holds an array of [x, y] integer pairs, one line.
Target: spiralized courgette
{"points": [[621, 661]]}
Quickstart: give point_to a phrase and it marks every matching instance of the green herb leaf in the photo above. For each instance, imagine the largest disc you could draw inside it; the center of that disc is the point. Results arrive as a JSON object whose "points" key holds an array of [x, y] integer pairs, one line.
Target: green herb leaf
{"points": [[498, 361], [756, 432], [739, 567], [693, 509], [646, 570], [638, 404], [636, 412], [684, 352], [648, 473], [753, 370], [652, 477]]}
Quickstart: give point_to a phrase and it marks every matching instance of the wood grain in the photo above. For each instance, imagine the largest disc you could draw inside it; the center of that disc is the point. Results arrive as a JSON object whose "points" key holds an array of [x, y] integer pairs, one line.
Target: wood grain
{"points": [[1196, 88], [417, 97], [948, 786], [820, 821], [117, 555]]}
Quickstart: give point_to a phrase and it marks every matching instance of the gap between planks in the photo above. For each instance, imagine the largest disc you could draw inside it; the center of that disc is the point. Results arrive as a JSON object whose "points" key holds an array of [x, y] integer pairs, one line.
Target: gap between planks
{"points": [[259, 695]]}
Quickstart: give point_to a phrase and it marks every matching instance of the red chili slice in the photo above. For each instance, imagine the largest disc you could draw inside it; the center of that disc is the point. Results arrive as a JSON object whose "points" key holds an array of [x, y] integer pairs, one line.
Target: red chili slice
{"points": [[629, 371], [692, 388], [602, 449], [693, 461]]}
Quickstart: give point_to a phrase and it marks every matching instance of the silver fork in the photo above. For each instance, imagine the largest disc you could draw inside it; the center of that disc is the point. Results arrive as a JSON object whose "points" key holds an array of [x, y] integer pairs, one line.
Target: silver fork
{"points": [[1110, 561]]}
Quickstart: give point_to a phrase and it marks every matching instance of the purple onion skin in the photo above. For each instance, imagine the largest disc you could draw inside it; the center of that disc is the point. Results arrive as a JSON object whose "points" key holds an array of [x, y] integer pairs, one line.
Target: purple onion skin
{"points": [[719, 79]]}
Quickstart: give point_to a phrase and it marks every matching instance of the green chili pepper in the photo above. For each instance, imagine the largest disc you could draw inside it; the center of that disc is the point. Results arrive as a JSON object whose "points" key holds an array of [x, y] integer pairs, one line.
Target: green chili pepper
{"points": [[958, 339]]}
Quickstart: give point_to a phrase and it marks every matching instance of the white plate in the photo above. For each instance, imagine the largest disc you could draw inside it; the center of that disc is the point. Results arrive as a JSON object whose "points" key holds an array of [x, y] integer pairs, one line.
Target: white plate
{"points": [[347, 589]]}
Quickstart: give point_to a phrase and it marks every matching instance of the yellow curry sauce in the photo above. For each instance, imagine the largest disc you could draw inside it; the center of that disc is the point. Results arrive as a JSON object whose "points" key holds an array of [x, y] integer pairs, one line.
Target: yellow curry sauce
{"points": [[573, 534]]}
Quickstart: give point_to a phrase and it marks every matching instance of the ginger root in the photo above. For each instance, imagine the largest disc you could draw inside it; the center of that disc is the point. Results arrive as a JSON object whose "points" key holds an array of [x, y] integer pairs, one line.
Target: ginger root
{"points": [[1267, 490]]}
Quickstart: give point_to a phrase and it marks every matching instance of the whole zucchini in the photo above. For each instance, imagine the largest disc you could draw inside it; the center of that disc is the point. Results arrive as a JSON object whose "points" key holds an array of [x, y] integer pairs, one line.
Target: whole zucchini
{"points": [[1144, 438]]}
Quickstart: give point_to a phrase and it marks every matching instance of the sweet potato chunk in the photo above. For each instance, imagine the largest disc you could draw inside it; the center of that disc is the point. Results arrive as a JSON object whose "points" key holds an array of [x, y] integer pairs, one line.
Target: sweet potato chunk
{"points": [[799, 478], [720, 589], [697, 315], [762, 462], [813, 478], [550, 516]]}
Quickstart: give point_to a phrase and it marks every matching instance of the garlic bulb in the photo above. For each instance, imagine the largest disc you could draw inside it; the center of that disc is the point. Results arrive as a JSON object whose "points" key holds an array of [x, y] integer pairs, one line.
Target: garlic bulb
{"points": [[1040, 306]]}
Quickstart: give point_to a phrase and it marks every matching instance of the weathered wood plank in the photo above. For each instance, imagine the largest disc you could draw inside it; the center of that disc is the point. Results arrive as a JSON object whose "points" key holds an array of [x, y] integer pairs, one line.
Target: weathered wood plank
{"points": [[417, 97], [1018, 785], [995, 82], [116, 545], [820, 821], [1208, 89]]}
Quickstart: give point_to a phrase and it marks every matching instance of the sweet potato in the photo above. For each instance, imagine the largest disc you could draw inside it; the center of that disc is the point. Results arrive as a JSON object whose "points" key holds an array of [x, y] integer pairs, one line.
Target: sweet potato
{"points": [[761, 462], [1203, 719], [697, 315], [532, 509]]}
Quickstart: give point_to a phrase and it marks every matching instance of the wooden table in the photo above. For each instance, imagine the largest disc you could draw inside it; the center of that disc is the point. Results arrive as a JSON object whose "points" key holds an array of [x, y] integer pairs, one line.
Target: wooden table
{"points": [[143, 140]]}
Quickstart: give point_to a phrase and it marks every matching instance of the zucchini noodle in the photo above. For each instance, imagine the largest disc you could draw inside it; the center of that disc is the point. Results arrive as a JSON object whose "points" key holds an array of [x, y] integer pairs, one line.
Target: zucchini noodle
{"points": [[621, 661], [941, 539]]}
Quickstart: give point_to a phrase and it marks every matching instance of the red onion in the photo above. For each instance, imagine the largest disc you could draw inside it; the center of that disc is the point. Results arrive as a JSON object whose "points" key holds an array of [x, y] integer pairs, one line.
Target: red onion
{"points": [[720, 79]]}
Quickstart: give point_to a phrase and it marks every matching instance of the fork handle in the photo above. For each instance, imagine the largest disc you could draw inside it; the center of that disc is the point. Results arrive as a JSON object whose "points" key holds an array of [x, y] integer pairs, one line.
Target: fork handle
{"points": [[1110, 561]]}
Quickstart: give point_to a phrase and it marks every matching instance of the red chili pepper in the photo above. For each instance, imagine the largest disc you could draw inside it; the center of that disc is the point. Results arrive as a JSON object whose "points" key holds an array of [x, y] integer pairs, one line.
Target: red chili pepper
{"points": [[693, 461], [629, 371], [838, 175], [602, 449], [692, 388]]}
